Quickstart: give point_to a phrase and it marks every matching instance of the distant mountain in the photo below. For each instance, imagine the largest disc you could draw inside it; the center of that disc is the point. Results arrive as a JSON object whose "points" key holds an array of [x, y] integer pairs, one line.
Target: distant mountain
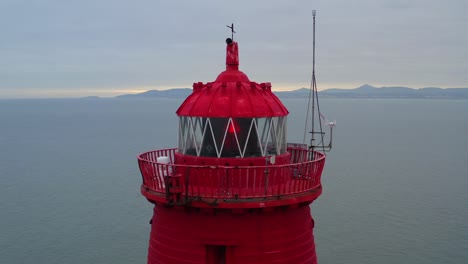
{"points": [[364, 91], [92, 97], [171, 93], [302, 92], [368, 91]]}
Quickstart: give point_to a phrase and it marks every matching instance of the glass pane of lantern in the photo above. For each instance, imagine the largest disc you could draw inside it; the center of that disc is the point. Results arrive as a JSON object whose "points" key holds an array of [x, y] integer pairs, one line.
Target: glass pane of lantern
{"points": [[190, 147], [272, 148], [241, 128], [198, 130], [279, 134], [219, 128], [183, 134], [208, 147], [283, 143], [263, 130], [248, 138], [231, 146]]}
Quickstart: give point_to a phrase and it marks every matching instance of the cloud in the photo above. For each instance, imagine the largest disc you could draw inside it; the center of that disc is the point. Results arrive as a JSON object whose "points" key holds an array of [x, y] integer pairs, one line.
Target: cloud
{"points": [[111, 44]]}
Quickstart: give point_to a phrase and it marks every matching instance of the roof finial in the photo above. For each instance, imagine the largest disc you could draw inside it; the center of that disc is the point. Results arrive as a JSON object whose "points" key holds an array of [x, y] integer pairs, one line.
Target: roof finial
{"points": [[232, 55], [232, 30]]}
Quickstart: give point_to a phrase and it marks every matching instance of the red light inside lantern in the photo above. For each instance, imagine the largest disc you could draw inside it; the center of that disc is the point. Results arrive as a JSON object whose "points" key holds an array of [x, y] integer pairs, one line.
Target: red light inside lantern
{"points": [[233, 127]]}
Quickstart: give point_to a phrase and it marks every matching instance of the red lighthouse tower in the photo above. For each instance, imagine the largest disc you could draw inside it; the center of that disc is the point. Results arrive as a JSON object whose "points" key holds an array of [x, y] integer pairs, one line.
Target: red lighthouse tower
{"points": [[233, 191]]}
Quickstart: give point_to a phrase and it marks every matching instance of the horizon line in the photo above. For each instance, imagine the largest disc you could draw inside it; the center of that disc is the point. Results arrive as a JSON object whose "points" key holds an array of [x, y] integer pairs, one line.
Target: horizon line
{"points": [[113, 93]]}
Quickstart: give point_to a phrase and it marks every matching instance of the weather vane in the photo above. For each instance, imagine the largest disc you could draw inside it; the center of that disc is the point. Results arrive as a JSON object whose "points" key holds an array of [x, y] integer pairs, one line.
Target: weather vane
{"points": [[232, 30]]}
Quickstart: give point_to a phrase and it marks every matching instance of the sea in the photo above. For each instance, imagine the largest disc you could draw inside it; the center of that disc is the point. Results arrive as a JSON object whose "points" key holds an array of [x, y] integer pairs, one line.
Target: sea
{"points": [[395, 185]]}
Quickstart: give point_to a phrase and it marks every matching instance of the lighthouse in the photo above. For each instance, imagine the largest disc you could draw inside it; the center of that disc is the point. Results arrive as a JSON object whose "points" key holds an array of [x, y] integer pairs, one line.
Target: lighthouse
{"points": [[233, 190]]}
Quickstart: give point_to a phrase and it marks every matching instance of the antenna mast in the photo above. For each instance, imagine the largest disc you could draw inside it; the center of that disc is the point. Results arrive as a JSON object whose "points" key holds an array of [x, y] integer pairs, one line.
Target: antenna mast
{"points": [[314, 13], [313, 96]]}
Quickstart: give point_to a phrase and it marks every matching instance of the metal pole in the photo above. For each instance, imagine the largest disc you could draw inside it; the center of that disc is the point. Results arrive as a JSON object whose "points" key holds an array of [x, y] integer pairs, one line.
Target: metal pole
{"points": [[314, 12]]}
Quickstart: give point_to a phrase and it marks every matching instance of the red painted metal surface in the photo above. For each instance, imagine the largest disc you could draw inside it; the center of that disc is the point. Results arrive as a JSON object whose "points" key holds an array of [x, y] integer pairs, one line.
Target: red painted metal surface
{"points": [[281, 236], [237, 185], [232, 55], [226, 98], [232, 94]]}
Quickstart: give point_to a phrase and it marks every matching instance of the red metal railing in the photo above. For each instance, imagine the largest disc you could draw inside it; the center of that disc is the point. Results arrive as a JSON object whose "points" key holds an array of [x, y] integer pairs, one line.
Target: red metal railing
{"points": [[180, 183]]}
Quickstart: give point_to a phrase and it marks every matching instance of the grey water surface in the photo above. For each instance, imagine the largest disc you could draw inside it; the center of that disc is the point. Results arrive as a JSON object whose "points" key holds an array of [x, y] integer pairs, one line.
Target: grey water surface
{"points": [[395, 184]]}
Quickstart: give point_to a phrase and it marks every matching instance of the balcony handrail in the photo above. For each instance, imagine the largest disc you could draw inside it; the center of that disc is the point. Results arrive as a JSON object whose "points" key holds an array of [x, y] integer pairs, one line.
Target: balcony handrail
{"points": [[229, 182]]}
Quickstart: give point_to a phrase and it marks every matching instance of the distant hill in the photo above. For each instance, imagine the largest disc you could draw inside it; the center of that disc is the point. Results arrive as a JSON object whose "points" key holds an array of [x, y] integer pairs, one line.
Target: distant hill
{"points": [[302, 92], [364, 91], [368, 91], [171, 93], [90, 97]]}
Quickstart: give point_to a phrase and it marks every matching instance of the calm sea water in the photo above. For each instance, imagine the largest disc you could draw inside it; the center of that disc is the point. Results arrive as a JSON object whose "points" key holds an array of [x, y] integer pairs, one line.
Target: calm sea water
{"points": [[395, 184]]}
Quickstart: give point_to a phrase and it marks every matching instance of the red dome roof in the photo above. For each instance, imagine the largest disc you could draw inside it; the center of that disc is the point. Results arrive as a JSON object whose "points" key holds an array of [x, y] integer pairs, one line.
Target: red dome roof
{"points": [[232, 94]]}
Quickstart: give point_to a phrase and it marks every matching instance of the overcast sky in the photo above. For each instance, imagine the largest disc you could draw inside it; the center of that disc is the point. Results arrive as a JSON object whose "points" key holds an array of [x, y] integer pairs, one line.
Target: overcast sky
{"points": [[66, 48]]}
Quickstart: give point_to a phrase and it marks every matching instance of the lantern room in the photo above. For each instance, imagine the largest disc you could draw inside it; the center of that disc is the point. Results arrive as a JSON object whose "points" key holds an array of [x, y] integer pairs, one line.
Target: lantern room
{"points": [[232, 137], [232, 117]]}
